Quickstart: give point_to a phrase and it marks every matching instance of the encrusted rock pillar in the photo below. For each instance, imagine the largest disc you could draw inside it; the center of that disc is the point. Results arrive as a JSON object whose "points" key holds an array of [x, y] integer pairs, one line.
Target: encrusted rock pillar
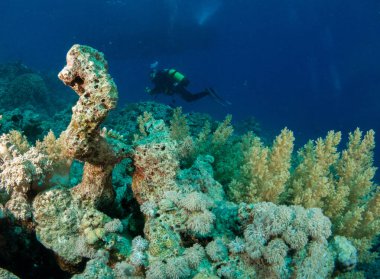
{"points": [[87, 74]]}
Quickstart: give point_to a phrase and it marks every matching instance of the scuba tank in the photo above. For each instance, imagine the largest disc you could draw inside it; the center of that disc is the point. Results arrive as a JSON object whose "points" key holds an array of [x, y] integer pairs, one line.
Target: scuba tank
{"points": [[178, 77]]}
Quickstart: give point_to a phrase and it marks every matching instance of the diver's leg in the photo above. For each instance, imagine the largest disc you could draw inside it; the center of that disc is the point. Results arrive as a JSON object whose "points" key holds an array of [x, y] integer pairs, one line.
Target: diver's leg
{"points": [[189, 97], [217, 98]]}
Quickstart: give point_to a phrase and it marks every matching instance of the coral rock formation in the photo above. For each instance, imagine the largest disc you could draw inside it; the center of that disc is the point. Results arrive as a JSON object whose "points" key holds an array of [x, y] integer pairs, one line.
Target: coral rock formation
{"points": [[86, 73]]}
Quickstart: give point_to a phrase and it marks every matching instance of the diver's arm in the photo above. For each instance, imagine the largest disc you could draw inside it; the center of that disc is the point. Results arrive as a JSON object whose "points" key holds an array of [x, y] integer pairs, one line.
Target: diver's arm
{"points": [[157, 81]]}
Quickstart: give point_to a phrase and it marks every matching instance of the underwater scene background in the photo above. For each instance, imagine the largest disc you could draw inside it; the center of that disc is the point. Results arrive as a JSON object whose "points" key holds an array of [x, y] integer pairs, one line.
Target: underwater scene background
{"points": [[311, 66], [169, 192]]}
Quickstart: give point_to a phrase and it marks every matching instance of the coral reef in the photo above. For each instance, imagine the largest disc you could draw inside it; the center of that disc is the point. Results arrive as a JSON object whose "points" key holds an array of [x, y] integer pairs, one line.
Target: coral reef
{"points": [[23, 169], [157, 193], [23, 88], [27, 103], [6, 274], [340, 183], [282, 236], [26, 120]]}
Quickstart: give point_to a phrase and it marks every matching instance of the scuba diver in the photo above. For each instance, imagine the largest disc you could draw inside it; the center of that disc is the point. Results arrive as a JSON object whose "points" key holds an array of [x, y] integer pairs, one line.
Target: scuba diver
{"points": [[171, 82]]}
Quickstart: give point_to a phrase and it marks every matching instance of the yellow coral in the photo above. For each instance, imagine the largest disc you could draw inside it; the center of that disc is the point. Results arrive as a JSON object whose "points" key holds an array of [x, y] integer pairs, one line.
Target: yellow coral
{"points": [[312, 181], [213, 143], [201, 142], [265, 170], [341, 184], [18, 140], [141, 121], [54, 149], [353, 183], [222, 132], [179, 130]]}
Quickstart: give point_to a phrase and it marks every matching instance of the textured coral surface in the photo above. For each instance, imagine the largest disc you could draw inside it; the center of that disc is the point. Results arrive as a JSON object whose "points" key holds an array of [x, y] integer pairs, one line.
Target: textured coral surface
{"points": [[86, 73]]}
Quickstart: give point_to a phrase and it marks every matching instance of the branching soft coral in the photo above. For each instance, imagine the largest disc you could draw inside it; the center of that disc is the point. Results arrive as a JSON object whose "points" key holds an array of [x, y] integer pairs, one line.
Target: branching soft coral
{"points": [[54, 149], [312, 180], [217, 143], [265, 171], [341, 184], [179, 129], [204, 138]]}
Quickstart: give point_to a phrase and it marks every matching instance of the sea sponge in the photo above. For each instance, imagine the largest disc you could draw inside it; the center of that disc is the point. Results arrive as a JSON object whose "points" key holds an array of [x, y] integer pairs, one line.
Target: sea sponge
{"points": [[87, 74], [57, 219], [164, 242], [156, 163]]}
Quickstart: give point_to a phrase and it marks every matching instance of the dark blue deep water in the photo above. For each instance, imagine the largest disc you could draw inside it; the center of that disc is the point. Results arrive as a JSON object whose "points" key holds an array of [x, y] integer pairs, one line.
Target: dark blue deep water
{"points": [[309, 65]]}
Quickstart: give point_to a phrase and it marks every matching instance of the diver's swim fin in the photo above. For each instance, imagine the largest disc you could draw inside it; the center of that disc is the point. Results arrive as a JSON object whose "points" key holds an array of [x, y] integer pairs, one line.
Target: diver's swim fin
{"points": [[217, 98]]}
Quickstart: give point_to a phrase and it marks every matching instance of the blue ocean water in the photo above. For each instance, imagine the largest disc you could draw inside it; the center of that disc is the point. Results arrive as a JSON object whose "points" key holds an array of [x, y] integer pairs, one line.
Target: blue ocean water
{"points": [[312, 66]]}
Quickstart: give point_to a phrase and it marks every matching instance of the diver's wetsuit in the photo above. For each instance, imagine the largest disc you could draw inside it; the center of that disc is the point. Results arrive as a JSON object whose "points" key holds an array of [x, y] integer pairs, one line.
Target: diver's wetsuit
{"points": [[165, 83]]}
